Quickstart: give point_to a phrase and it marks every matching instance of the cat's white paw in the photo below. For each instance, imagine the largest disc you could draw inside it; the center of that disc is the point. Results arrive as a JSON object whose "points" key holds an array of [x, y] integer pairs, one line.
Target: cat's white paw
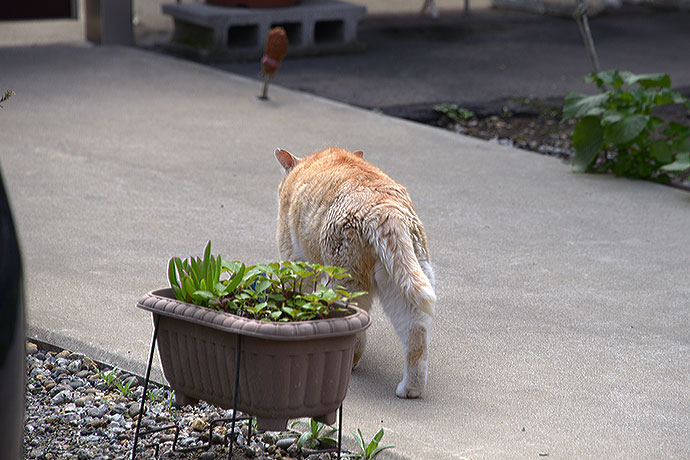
{"points": [[405, 392]]}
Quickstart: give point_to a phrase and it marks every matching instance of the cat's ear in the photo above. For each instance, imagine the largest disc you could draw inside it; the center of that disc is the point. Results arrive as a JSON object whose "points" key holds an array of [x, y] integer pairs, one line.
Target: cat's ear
{"points": [[286, 159], [359, 153]]}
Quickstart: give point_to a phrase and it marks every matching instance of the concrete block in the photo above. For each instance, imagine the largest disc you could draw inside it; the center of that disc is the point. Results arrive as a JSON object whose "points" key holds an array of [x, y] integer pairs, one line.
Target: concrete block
{"points": [[109, 22], [212, 33]]}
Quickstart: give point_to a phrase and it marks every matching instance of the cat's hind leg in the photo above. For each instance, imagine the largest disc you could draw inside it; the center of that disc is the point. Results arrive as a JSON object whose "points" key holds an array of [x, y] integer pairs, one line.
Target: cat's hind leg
{"points": [[412, 327], [363, 302]]}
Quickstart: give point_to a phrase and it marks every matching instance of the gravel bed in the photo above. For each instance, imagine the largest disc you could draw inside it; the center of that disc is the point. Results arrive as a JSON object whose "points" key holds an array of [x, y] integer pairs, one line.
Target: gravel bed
{"points": [[545, 136], [77, 409]]}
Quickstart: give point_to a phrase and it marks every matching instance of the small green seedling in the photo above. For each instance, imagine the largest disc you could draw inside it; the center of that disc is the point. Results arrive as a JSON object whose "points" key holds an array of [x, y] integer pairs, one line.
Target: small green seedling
{"points": [[371, 450], [125, 387], [454, 112], [108, 377], [157, 394], [315, 430], [169, 399]]}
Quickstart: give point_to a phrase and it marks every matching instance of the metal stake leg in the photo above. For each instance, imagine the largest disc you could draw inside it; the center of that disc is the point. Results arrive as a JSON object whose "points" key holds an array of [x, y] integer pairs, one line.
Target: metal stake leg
{"points": [[340, 430], [237, 391], [264, 93], [583, 24], [146, 385]]}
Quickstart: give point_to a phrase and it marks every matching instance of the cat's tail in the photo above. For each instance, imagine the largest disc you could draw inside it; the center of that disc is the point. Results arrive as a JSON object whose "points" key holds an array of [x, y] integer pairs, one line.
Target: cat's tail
{"points": [[391, 235]]}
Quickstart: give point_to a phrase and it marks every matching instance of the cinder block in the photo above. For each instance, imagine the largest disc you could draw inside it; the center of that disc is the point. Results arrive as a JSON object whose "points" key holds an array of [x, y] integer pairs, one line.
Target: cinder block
{"points": [[109, 22], [212, 33]]}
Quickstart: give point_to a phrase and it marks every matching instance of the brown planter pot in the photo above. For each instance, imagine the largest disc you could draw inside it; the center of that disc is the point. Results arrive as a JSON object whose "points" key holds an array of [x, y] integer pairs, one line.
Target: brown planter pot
{"points": [[287, 370], [253, 3]]}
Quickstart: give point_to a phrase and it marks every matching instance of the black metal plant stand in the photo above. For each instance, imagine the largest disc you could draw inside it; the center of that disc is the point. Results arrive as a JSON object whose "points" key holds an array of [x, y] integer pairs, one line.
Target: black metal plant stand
{"points": [[146, 386], [233, 420]]}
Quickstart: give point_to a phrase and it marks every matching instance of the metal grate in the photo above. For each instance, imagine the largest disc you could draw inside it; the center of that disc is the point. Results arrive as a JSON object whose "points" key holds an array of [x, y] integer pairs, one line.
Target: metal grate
{"points": [[218, 421]]}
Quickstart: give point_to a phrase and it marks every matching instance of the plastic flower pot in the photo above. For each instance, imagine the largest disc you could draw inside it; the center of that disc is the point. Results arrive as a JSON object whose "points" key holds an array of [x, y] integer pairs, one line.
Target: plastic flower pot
{"points": [[287, 369]]}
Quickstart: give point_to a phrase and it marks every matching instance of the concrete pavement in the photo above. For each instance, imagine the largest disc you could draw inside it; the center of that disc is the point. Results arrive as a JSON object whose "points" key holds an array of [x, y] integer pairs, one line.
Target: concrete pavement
{"points": [[563, 315], [490, 55]]}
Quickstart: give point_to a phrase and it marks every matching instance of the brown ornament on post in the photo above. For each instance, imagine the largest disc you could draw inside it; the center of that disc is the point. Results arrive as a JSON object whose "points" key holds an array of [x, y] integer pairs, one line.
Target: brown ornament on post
{"points": [[275, 51]]}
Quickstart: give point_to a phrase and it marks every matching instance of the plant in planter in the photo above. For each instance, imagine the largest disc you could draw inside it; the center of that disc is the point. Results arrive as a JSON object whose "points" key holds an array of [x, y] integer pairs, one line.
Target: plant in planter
{"points": [[265, 292], [287, 349]]}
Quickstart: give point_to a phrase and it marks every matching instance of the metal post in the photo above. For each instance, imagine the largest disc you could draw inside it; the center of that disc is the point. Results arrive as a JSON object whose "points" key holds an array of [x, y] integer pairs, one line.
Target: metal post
{"points": [[237, 391], [264, 92], [146, 385], [583, 24], [340, 430]]}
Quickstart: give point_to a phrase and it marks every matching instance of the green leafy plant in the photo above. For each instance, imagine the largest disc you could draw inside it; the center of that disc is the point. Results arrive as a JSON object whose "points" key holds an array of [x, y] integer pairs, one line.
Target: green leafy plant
{"points": [[254, 423], [160, 394], [454, 112], [681, 165], [124, 387], [169, 399], [277, 291], [618, 132], [317, 431], [156, 394], [191, 278], [109, 377], [370, 450]]}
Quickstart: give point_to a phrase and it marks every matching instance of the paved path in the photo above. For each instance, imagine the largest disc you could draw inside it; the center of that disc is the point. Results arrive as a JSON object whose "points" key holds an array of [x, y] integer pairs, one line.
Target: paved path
{"points": [[563, 313]]}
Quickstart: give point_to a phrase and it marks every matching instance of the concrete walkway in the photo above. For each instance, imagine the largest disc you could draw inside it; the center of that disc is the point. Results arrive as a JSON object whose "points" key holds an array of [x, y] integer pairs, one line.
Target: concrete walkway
{"points": [[563, 315], [487, 56]]}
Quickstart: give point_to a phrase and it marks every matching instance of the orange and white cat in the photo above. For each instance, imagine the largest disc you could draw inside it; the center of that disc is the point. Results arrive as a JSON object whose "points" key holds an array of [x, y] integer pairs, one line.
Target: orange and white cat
{"points": [[337, 209]]}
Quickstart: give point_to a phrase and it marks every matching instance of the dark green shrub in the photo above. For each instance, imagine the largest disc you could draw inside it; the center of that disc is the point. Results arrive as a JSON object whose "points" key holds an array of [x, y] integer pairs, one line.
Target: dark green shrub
{"points": [[617, 131]]}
